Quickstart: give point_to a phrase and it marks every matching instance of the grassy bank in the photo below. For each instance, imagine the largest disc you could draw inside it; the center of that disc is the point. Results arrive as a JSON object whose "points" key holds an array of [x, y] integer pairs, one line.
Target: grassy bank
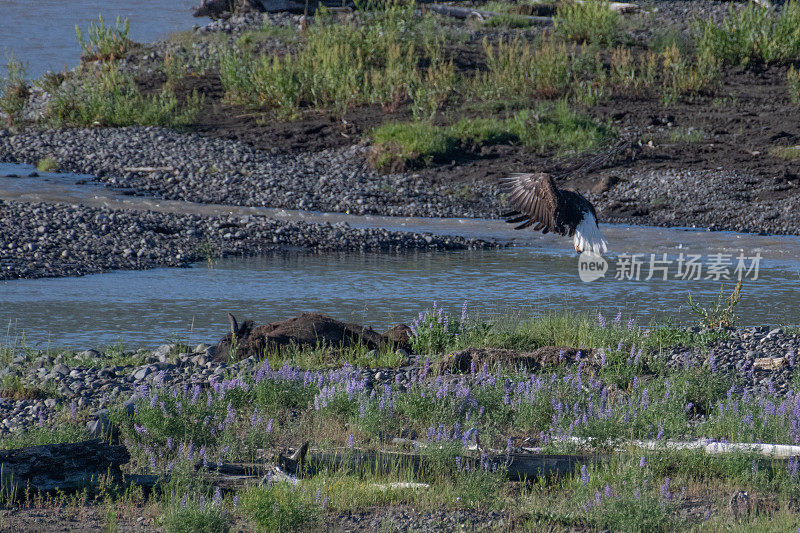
{"points": [[619, 387], [392, 58]]}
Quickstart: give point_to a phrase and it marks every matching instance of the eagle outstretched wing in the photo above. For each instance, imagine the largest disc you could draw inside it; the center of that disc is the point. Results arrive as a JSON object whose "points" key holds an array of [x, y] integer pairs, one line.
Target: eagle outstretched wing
{"points": [[536, 200]]}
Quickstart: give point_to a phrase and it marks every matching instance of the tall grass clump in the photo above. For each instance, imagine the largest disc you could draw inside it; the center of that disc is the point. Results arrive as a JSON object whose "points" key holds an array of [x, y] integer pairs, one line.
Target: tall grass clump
{"points": [[589, 22], [14, 91], [103, 42], [518, 71], [793, 80], [192, 514], [280, 507], [339, 66], [107, 97], [751, 34]]}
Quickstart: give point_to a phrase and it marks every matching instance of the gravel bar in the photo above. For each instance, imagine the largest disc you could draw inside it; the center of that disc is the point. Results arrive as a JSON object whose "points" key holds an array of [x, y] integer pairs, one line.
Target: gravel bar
{"points": [[42, 240]]}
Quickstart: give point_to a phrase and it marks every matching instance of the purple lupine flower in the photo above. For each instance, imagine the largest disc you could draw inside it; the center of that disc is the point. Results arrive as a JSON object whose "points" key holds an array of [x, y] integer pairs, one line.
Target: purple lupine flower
{"points": [[618, 318], [325, 502], [660, 432], [630, 324], [584, 475], [608, 491], [350, 441], [217, 497], [235, 501], [597, 497], [458, 463], [688, 407], [602, 358], [141, 430], [601, 320], [269, 425], [185, 500], [665, 488], [791, 466]]}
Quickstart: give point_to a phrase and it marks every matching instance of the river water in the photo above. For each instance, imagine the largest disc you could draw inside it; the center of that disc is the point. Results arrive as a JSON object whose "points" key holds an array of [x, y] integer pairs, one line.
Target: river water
{"points": [[41, 33], [538, 273]]}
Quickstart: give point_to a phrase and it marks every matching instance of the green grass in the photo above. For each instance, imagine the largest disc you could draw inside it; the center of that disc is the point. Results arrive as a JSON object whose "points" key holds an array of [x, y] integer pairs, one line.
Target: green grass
{"points": [[686, 135], [751, 34], [106, 97], [631, 394], [589, 22], [103, 42], [793, 81], [549, 128], [790, 153], [47, 164], [338, 66], [14, 90]]}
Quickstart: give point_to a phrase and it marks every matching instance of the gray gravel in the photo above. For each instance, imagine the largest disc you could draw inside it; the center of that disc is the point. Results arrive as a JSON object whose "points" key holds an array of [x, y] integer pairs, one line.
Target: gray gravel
{"points": [[702, 198], [737, 355], [38, 240], [222, 171]]}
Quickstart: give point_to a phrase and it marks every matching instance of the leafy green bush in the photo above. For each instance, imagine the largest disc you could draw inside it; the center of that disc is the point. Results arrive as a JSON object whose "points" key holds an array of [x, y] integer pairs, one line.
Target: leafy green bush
{"points": [[102, 42], [590, 21], [751, 34], [793, 80], [14, 91], [107, 97], [341, 65]]}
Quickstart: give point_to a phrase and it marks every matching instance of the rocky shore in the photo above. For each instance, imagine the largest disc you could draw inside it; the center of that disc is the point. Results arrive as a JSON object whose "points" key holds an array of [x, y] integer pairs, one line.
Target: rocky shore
{"points": [[209, 170], [92, 380], [43, 240]]}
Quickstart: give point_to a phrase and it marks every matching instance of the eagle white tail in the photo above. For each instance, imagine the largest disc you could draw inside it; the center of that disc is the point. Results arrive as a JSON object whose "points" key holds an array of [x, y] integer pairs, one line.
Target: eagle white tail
{"points": [[588, 237]]}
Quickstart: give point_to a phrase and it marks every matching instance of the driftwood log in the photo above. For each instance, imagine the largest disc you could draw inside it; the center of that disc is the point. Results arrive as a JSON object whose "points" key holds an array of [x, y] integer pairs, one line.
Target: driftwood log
{"points": [[64, 466], [518, 466], [469, 13]]}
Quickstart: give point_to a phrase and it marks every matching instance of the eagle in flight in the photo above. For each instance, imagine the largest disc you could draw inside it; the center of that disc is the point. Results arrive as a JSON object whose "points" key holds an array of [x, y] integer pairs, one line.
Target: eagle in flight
{"points": [[539, 203]]}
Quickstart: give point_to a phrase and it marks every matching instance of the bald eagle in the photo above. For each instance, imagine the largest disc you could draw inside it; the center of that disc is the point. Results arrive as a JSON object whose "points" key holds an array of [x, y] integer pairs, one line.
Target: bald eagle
{"points": [[539, 203]]}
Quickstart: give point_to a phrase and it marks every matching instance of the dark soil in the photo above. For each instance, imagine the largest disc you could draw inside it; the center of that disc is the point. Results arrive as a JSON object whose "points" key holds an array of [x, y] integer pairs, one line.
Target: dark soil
{"points": [[748, 114]]}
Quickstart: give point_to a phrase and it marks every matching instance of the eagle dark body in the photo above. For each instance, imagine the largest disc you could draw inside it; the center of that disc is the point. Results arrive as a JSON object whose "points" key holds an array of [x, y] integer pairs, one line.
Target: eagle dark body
{"points": [[540, 204]]}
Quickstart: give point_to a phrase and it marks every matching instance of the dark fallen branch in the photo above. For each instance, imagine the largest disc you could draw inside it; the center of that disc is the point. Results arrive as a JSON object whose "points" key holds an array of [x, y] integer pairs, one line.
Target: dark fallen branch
{"points": [[64, 466], [517, 466], [469, 13]]}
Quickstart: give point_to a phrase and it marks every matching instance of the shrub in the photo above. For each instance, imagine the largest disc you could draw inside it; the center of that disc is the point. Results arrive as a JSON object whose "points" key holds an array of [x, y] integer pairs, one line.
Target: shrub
{"points": [[515, 70], [751, 34], [590, 21], [14, 91], [107, 97], [793, 80], [339, 66], [104, 43], [47, 164]]}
